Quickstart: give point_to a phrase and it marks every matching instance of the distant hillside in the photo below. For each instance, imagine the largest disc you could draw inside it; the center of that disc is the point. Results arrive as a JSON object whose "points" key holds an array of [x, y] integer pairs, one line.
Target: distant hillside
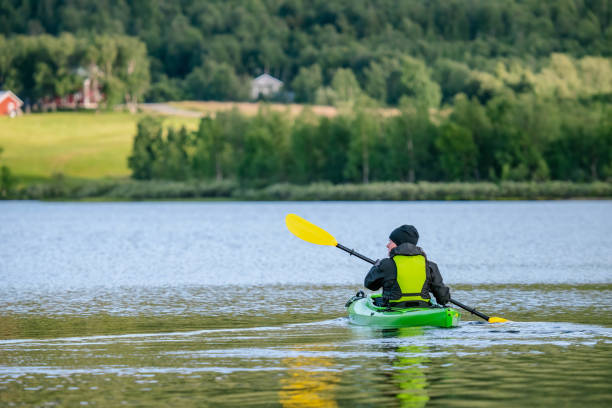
{"points": [[209, 49]]}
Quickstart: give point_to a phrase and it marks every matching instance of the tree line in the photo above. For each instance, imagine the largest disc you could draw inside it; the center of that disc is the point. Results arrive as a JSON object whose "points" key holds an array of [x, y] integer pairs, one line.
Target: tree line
{"points": [[210, 49], [44, 66], [7, 181], [510, 138]]}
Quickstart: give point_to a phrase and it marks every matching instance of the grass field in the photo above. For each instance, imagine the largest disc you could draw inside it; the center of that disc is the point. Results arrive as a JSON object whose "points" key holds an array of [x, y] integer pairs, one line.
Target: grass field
{"points": [[94, 145], [77, 144]]}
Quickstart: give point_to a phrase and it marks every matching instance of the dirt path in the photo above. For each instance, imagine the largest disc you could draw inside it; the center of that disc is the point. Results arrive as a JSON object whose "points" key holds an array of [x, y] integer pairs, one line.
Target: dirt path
{"points": [[166, 109]]}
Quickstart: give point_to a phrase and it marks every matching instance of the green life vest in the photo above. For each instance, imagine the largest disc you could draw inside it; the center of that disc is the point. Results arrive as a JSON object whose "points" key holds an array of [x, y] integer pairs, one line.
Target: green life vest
{"points": [[411, 277]]}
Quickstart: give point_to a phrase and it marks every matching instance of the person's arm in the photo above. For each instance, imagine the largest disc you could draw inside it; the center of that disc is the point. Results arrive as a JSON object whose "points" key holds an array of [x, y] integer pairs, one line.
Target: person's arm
{"points": [[438, 288], [374, 279], [376, 276]]}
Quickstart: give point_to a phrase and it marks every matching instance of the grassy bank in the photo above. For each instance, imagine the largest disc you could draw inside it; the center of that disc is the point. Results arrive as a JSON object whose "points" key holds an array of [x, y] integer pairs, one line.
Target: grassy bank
{"points": [[78, 144], [60, 188]]}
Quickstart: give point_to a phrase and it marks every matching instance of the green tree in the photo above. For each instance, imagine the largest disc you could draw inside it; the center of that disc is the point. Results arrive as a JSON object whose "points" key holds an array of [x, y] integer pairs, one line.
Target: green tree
{"points": [[583, 152], [266, 141], [417, 83], [470, 114], [457, 152], [335, 135], [176, 164], [132, 69], [147, 148], [182, 46], [307, 149], [7, 68], [345, 86], [364, 134], [410, 138], [306, 83], [7, 181], [215, 81], [376, 81], [233, 127], [213, 151], [453, 78]]}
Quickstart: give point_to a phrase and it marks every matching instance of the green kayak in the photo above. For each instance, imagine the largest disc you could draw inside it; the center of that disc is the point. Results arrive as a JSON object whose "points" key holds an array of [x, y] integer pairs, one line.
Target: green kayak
{"points": [[363, 312]]}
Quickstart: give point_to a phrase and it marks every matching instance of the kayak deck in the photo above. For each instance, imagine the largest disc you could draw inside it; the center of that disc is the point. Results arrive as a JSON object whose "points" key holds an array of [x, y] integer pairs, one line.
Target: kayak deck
{"points": [[363, 312]]}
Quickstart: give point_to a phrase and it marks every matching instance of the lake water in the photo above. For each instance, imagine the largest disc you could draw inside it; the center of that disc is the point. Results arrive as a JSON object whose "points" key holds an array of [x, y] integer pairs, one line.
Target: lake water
{"points": [[217, 304]]}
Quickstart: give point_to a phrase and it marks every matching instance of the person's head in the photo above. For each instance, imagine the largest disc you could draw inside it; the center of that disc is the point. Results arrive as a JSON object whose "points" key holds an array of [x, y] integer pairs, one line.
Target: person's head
{"points": [[390, 245], [400, 235]]}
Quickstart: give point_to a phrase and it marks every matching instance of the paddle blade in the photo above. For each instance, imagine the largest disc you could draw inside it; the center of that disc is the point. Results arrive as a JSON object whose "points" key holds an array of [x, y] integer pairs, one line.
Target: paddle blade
{"points": [[308, 231], [497, 320]]}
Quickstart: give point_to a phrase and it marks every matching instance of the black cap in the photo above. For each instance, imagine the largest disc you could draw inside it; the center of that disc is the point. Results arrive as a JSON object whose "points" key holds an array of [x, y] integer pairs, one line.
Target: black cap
{"points": [[405, 233]]}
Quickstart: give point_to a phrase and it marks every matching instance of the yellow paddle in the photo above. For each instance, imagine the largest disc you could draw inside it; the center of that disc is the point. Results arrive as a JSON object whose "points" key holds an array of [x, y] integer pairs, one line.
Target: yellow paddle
{"points": [[314, 234]]}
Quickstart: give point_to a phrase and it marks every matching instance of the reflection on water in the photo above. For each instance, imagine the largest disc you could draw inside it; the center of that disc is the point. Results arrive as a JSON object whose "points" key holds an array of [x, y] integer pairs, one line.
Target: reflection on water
{"points": [[311, 382], [409, 373], [257, 358], [154, 305], [250, 352]]}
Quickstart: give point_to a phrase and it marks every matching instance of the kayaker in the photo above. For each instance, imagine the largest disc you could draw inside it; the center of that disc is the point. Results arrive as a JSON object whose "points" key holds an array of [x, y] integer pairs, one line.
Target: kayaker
{"points": [[407, 277]]}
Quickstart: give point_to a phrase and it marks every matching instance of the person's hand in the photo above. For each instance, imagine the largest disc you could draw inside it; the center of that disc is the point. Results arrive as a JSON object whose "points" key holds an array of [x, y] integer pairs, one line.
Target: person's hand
{"points": [[377, 263]]}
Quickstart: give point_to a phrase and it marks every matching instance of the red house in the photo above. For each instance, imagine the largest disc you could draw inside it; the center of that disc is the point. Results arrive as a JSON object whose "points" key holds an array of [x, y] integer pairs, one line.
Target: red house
{"points": [[87, 97], [10, 104]]}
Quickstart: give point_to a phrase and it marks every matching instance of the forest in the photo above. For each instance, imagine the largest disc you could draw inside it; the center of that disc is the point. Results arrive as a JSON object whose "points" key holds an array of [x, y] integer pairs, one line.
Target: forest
{"points": [[211, 49], [509, 139], [483, 90]]}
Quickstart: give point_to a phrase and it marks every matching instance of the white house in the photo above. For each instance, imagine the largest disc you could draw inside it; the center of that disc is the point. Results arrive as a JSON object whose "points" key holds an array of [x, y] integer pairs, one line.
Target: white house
{"points": [[265, 85]]}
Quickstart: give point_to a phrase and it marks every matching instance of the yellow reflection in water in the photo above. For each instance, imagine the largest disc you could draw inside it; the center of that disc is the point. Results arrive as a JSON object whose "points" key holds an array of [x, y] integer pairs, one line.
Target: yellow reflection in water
{"points": [[408, 373], [310, 382]]}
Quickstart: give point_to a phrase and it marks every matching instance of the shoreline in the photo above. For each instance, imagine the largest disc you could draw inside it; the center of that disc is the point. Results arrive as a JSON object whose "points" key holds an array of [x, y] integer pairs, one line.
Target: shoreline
{"points": [[108, 190]]}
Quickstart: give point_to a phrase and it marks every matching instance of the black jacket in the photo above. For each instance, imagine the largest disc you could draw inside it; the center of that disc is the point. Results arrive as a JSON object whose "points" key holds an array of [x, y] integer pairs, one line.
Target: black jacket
{"points": [[384, 274]]}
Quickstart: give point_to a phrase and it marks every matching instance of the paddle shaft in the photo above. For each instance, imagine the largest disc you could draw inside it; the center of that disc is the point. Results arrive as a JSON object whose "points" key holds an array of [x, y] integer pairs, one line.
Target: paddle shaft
{"points": [[461, 305], [471, 310], [357, 254]]}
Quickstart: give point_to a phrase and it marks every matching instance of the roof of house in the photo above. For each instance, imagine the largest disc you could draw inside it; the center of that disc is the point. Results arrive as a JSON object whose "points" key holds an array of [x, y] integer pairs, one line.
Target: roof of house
{"points": [[266, 78], [5, 94]]}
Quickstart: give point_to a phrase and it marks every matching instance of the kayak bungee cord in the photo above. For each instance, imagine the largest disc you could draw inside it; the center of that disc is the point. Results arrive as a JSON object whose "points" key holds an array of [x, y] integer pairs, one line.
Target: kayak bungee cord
{"points": [[309, 232]]}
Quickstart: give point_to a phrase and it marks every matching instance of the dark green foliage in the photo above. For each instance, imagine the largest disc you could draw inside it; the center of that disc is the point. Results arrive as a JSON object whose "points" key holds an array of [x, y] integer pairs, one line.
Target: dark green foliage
{"points": [[215, 81], [215, 43], [308, 150], [43, 66], [496, 91], [336, 135], [365, 136], [306, 83], [583, 150], [173, 162], [219, 146], [156, 157], [509, 139], [457, 152], [7, 181], [264, 157], [409, 154], [165, 89], [60, 188], [453, 77], [147, 149]]}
